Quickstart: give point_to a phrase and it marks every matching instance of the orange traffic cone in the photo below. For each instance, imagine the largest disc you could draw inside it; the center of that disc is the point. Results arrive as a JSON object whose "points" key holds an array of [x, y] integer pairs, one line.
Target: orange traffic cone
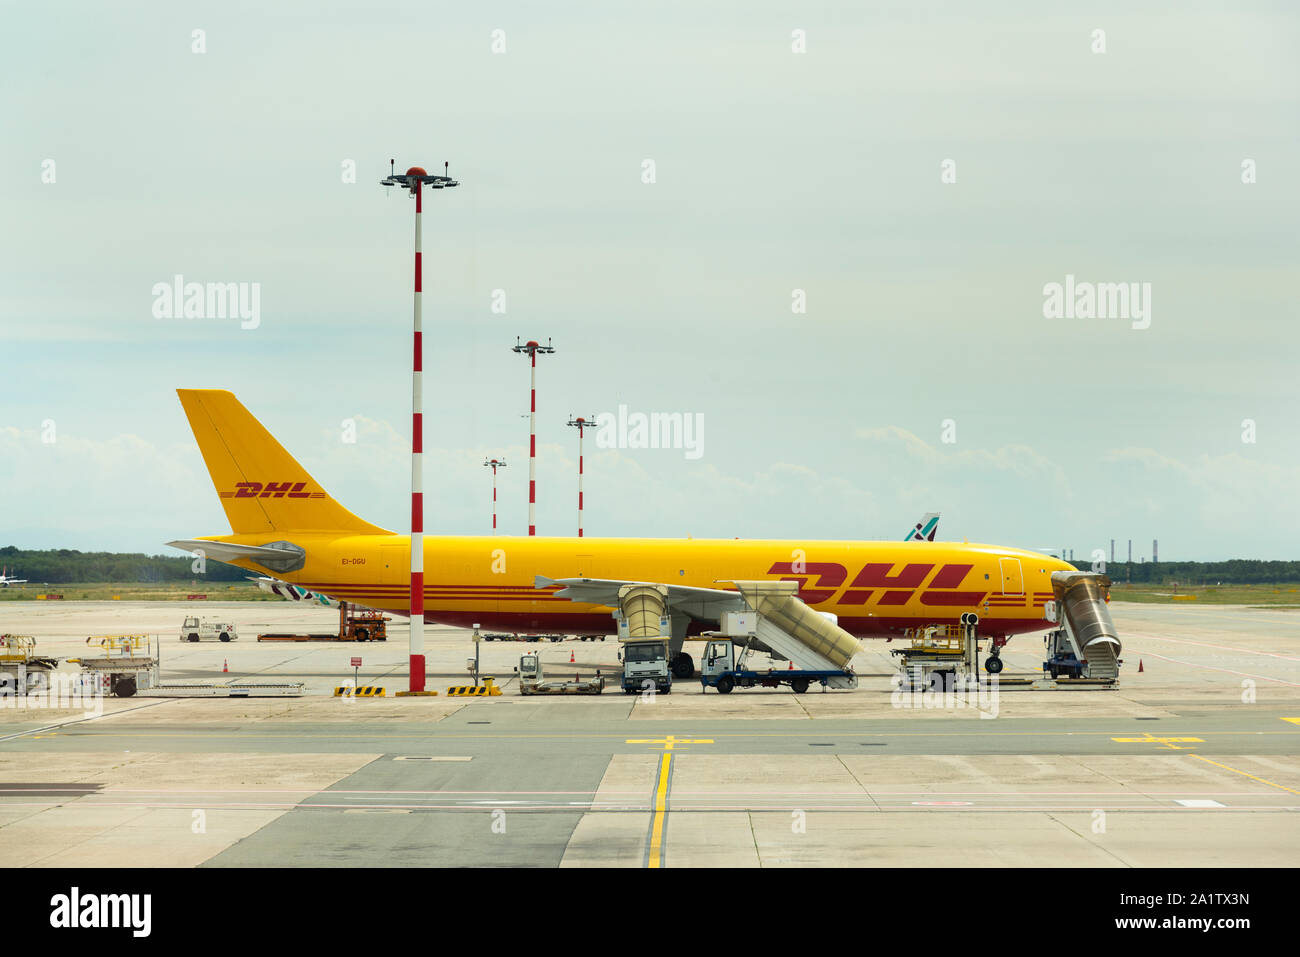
{"points": [[225, 666], [572, 660], [1140, 668], [791, 668]]}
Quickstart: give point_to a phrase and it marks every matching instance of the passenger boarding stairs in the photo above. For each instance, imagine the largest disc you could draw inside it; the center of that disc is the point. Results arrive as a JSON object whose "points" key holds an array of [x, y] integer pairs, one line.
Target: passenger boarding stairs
{"points": [[1081, 610], [788, 628]]}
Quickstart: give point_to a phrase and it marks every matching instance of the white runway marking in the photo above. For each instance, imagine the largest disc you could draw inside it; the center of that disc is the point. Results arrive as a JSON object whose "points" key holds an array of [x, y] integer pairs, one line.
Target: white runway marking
{"points": [[1226, 671], [1207, 644]]}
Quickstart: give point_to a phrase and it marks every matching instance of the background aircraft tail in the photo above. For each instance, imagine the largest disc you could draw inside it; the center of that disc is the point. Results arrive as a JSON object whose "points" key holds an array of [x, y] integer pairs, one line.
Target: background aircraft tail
{"points": [[925, 529], [262, 487]]}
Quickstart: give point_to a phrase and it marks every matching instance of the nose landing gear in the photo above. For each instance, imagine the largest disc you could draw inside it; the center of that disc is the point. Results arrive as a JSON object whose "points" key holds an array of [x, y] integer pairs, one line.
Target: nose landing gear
{"points": [[993, 663]]}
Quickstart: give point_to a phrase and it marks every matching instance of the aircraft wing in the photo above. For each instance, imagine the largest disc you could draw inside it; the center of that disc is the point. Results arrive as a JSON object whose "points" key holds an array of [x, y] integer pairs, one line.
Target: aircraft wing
{"points": [[708, 603]]}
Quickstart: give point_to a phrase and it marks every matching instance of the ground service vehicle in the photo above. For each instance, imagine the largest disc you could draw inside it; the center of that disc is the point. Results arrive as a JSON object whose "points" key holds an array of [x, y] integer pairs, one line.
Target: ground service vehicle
{"points": [[532, 681], [126, 667], [724, 670], [21, 669], [196, 629], [645, 665]]}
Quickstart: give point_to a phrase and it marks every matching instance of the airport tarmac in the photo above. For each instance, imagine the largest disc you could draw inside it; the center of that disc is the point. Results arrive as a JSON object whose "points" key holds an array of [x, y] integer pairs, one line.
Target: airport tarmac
{"points": [[1194, 761]]}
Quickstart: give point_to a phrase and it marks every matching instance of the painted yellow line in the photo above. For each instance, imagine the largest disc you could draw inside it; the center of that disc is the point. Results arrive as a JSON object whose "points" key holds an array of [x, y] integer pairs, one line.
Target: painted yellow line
{"points": [[1281, 787], [656, 854], [669, 741], [1292, 720], [1173, 744], [254, 732]]}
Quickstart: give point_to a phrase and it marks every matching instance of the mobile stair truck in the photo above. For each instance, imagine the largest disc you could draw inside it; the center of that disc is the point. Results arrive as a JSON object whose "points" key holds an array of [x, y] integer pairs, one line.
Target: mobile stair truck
{"points": [[818, 649], [1086, 646]]}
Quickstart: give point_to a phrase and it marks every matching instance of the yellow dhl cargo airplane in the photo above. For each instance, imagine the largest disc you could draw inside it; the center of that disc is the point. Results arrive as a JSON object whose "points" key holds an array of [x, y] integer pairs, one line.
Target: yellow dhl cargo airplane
{"points": [[286, 525]]}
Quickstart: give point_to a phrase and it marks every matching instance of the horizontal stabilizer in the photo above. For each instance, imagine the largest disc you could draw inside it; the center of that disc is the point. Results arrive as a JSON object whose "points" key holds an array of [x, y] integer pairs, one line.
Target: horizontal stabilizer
{"points": [[278, 556]]}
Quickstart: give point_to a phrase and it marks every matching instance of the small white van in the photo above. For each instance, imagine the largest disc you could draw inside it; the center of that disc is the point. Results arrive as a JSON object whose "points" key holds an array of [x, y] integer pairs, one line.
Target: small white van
{"points": [[195, 629]]}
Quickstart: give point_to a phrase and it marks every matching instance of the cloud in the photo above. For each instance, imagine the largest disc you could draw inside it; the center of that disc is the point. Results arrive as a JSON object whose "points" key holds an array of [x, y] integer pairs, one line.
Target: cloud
{"points": [[120, 492]]}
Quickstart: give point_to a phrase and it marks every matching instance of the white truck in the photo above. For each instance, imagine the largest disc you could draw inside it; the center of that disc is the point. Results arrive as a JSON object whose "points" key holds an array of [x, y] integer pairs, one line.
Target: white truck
{"points": [[197, 629], [645, 665]]}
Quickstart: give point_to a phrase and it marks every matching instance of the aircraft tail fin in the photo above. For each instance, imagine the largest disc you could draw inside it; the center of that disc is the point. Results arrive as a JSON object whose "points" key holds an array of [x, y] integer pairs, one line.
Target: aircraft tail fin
{"points": [[925, 529], [262, 487]]}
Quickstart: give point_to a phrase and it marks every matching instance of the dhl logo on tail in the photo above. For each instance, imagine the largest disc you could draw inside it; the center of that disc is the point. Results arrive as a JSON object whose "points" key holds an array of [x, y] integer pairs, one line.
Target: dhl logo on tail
{"points": [[270, 490]]}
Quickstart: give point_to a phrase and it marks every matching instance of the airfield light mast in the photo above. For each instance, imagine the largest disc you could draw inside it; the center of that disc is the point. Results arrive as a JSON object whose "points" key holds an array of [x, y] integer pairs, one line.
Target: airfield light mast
{"points": [[531, 349], [580, 423], [413, 180], [496, 464]]}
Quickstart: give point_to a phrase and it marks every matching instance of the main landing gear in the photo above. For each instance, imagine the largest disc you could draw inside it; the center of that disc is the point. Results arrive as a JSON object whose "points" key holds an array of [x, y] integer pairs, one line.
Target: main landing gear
{"points": [[682, 665]]}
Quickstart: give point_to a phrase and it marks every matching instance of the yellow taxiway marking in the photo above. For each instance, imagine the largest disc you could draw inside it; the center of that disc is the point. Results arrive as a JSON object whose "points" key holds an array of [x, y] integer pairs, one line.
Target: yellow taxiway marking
{"points": [[1292, 720], [669, 741], [534, 736], [1171, 743], [1281, 787], [654, 857]]}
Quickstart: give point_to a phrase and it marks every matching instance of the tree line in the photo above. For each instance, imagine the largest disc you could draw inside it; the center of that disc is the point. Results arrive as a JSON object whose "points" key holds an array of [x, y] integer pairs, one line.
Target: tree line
{"points": [[1235, 571], [60, 566]]}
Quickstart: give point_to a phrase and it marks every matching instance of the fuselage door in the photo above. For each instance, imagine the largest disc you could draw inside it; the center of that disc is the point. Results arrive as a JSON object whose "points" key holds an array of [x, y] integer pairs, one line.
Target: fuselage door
{"points": [[1013, 582]]}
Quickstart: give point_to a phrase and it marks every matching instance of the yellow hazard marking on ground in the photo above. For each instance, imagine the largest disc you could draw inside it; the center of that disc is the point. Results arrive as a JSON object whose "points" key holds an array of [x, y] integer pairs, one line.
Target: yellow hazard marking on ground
{"points": [[1292, 720], [669, 742], [1281, 787], [1171, 743], [655, 853]]}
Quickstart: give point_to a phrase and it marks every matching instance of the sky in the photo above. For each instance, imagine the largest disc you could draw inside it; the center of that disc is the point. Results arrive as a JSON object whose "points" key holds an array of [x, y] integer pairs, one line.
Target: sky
{"points": [[823, 231]]}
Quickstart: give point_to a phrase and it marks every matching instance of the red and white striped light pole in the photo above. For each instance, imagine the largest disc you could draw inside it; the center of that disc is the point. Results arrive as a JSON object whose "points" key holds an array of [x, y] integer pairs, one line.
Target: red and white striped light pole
{"points": [[580, 423], [496, 464], [413, 180], [531, 349]]}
